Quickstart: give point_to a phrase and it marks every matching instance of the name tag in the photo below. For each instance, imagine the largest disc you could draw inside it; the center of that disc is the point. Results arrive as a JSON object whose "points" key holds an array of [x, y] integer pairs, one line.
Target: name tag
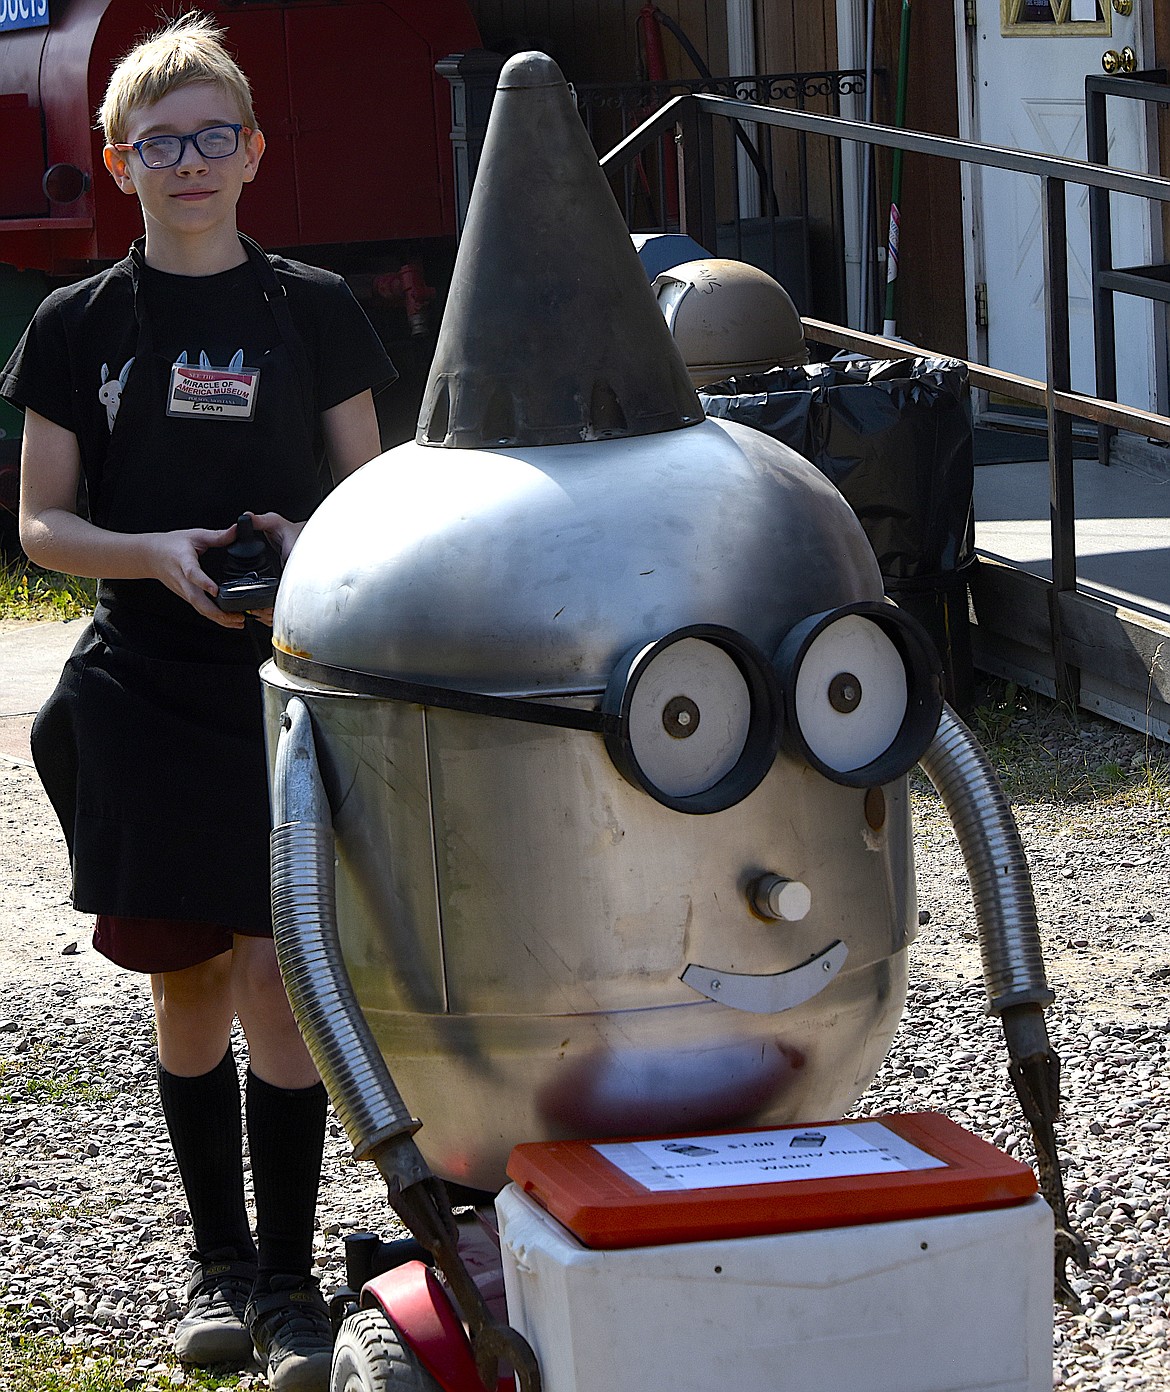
{"points": [[216, 393]]}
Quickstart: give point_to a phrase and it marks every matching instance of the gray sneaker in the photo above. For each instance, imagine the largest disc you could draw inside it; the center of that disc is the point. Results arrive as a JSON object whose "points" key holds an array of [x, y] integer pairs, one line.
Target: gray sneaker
{"points": [[290, 1328], [212, 1330]]}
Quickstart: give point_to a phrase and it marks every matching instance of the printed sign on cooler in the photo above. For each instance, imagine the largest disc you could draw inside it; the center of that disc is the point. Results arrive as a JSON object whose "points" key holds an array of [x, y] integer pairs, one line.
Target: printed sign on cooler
{"points": [[767, 1157]]}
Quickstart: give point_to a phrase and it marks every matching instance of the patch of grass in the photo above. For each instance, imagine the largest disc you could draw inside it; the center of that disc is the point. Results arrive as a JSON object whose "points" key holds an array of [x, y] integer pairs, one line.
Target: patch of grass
{"points": [[39, 1363], [1044, 752], [66, 1088], [33, 1363], [27, 592]]}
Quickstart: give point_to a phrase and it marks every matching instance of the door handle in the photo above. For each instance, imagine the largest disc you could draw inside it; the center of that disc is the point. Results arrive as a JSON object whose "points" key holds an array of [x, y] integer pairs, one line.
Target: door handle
{"points": [[1123, 7], [1114, 62]]}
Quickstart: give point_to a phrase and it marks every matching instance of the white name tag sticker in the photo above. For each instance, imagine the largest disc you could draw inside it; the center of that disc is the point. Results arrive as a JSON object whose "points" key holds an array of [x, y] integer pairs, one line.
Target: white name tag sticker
{"points": [[215, 393]]}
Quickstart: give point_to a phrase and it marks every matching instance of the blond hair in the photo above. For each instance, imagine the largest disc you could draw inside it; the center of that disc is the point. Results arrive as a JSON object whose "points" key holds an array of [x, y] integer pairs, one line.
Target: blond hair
{"points": [[190, 48]]}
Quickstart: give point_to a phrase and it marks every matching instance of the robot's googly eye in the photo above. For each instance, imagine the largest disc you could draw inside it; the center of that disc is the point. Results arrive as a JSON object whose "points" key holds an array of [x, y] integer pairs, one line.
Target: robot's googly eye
{"points": [[698, 718], [863, 693], [689, 717], [850, 697]]}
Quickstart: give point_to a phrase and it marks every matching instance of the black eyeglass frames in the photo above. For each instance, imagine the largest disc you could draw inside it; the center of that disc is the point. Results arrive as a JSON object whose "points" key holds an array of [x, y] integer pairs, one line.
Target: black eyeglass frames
{"points": [[212, 142]]}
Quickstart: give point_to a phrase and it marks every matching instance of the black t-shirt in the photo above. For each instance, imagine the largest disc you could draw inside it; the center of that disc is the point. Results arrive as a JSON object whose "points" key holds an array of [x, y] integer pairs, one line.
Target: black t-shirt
{"points": [[69, 363], [151, 747]]}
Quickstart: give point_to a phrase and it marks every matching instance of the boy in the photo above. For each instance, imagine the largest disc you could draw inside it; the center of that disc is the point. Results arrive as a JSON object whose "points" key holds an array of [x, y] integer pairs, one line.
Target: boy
{"points": [[151, 748]]}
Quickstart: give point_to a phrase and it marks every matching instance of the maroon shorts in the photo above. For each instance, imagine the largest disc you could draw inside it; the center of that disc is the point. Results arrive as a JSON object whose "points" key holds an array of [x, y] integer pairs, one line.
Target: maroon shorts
{"points": [[163, 944]]}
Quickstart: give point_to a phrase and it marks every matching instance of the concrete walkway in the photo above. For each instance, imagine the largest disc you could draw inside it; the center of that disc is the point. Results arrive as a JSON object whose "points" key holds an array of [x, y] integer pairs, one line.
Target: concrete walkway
{"points": [[1122, 528], [31, 658]]}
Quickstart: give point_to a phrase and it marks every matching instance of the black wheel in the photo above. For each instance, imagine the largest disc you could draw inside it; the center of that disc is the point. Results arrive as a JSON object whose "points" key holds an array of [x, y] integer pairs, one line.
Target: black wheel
{"points": [[369, 1356]]}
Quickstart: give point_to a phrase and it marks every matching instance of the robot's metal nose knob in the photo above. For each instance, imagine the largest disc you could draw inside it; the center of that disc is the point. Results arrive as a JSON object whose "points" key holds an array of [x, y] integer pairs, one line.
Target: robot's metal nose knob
{"points": [[773, 896]]}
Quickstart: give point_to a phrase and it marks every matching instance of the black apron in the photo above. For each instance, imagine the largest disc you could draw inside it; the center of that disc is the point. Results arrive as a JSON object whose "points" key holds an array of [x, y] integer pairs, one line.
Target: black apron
{"points": [[151, 748]]}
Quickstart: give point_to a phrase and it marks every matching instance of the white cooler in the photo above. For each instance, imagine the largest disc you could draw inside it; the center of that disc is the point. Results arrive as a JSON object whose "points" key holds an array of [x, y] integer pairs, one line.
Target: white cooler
{"points": [[892, 1255]]}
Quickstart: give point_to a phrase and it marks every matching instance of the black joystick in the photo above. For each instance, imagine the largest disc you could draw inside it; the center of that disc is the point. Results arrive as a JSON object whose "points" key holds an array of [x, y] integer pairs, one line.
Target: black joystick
{"points": [[251, 571]]}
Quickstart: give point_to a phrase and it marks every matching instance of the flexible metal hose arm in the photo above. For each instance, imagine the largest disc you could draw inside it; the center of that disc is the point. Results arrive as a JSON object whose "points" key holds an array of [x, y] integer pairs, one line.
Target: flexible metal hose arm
{"points": [[1001, 885], [304, 918], [341, 1044], [1010, 948]]}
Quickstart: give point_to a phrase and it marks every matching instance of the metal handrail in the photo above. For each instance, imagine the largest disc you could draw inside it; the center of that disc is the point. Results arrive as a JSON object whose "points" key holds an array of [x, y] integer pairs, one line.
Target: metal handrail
{"points": [[1027, 389], [890, 137], [633, 100], [821, 82], [693, 116]]}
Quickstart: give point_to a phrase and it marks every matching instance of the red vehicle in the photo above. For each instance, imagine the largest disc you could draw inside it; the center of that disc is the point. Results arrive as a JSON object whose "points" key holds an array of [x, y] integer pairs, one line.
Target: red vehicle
{"points": [[358, 171]]}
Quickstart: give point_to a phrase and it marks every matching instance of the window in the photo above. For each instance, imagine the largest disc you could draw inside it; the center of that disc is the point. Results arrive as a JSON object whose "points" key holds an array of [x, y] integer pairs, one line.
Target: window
{"points": [[1055, 17]]}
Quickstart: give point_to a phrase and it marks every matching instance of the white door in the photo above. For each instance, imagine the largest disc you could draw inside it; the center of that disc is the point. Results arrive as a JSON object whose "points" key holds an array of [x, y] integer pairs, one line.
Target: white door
{"points": [[1029, 59]]}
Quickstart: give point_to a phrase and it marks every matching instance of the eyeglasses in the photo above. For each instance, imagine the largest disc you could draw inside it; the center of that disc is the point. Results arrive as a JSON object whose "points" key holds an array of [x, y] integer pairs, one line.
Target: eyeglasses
{"points": [[212, 142]]}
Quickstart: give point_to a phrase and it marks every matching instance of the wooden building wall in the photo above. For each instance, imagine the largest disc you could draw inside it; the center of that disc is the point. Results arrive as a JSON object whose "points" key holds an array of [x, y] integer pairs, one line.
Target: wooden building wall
{"points": [[801, 36], [931, 304], [596, 40]]}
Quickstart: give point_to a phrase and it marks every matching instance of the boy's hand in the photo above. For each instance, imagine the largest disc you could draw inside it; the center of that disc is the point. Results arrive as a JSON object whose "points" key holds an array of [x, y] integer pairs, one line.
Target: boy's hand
{"points": [[282, 535], [279, 530], [175, 557]]}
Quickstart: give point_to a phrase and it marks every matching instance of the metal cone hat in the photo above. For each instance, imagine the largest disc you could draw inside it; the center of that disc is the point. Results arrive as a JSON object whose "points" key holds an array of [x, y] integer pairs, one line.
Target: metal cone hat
{"points": [[551, 334]]}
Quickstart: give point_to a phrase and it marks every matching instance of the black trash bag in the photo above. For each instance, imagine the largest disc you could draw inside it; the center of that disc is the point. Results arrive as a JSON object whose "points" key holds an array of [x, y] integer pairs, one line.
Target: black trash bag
{"points": [[896, 437]]}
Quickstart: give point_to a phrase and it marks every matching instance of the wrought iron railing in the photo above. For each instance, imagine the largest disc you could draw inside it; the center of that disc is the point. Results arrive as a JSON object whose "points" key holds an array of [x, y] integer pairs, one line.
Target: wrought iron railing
{"points": [[782, 209]]}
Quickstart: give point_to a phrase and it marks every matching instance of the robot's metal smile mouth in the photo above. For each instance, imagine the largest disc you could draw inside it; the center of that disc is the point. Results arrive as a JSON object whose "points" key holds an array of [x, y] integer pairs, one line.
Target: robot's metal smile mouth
{"points": [[763, 994]]}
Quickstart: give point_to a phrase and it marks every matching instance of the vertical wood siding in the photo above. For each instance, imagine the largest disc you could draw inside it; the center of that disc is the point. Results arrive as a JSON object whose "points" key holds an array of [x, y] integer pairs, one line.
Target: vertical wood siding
{"points": [[931, 303], [596, 40]]}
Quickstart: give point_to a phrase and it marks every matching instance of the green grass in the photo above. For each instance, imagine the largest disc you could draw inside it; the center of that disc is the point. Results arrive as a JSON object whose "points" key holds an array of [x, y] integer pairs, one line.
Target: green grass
{"points": [[24, 1083], [1036, 747], [65, 1089], [38, 1363], [27, 592]]}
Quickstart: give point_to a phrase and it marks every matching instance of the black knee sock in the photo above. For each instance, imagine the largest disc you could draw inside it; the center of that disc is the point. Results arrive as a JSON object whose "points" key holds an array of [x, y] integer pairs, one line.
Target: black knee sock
{"points": [[203, 1118], [286, 1136]]}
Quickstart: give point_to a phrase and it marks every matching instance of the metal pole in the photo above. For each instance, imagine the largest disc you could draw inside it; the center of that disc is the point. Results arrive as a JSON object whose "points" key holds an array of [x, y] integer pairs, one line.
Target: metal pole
{"points": [[697, 203], [1062, 503], [864, 298], [890, 327], [1101, 250]]}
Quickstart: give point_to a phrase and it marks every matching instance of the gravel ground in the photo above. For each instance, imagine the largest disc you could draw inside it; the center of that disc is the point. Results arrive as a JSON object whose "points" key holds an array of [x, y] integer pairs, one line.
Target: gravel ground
{"points": [[93, 1229]]}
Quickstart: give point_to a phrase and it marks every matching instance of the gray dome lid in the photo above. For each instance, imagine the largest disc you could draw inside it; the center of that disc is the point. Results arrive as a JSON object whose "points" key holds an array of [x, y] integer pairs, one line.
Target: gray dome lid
{"points": [[551, 333], [518, 571]]}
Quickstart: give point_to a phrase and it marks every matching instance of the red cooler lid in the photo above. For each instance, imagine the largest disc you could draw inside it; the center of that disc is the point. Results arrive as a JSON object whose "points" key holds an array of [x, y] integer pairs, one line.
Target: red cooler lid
{"points": [[649, 1191]]}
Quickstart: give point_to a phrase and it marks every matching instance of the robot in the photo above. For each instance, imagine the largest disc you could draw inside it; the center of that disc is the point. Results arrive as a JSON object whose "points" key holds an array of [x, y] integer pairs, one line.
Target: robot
{"points": [[589, 729]]}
